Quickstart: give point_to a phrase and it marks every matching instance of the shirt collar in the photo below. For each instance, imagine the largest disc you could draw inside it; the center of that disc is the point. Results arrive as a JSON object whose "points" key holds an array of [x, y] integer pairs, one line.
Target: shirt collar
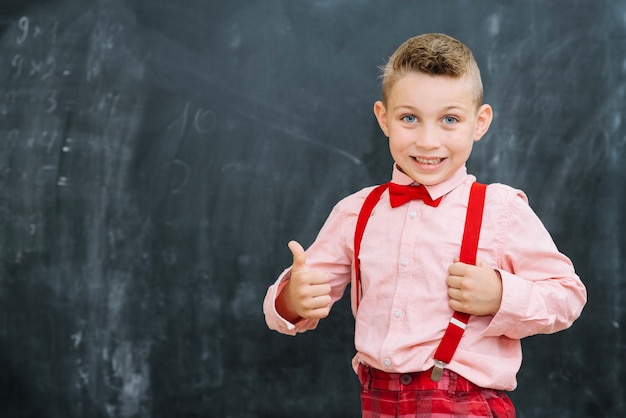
{"points": [[437, 190]]}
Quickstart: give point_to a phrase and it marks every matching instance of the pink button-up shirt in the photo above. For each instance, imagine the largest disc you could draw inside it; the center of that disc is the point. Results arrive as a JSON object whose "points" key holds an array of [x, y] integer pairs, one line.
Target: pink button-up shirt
{"points": [[405, 254]]}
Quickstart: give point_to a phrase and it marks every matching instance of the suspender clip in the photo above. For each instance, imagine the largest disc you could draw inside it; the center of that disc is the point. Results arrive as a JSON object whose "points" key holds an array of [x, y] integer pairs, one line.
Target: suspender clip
{"points": [[435, 376]]}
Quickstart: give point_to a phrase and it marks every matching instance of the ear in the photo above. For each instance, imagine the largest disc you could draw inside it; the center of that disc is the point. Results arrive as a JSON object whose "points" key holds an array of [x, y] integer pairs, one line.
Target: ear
{"points": [[381, 117], [483, 121]]}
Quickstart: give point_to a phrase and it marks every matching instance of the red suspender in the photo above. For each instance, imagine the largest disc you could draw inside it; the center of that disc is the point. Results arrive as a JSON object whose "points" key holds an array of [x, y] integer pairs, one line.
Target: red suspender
{"points": [[366, 210], [469, 246]]}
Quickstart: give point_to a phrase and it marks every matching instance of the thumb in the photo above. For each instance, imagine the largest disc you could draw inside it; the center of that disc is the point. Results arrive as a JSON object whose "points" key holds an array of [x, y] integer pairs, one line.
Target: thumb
{"points": [[299, 258]]}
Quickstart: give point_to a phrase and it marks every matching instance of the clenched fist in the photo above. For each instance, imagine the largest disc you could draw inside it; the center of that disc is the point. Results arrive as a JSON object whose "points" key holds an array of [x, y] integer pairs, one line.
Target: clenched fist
{"points": [[476, 290]]}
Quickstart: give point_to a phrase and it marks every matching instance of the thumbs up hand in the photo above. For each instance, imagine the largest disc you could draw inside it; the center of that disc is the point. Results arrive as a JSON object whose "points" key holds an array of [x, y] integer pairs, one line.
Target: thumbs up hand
{"points": [[307, 294]]}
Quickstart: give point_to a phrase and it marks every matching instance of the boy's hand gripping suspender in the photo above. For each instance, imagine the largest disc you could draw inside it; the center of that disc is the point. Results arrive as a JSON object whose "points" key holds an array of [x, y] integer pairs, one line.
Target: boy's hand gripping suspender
{"points": [[469, 246]]}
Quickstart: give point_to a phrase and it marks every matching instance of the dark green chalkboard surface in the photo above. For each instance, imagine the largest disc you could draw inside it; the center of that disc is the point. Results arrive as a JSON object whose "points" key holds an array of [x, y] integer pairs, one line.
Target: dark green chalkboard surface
{"points": [[157, 156]]}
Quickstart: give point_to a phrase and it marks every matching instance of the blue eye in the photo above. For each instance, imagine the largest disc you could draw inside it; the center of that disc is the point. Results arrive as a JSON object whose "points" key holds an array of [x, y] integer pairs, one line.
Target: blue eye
{"points": [[409, 119], [450, 120]]}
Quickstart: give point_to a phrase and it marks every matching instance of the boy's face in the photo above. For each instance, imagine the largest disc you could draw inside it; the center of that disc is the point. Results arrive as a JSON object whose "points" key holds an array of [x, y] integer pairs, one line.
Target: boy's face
{"points": [[432, 123]]}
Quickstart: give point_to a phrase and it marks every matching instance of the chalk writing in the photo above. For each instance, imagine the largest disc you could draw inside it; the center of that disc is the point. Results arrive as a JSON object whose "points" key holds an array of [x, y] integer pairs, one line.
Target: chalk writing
{"points": [[16, 63], [23, 25], [52, 102], [16, 100], [181, 120], [107, 104], [36, 66], [48, 140], [24, 30], [179, 174], [203, 121], [45, 68]]}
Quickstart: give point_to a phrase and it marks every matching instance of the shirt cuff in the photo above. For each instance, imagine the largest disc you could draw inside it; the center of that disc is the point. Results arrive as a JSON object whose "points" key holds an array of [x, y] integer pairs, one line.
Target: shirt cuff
{"points": [[280, 288], [272, 317], [274, 320], [515, 301]]}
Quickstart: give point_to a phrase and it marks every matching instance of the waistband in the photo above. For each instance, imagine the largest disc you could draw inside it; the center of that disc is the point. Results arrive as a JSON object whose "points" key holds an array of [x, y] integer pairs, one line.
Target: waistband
{"points": [[371, 378]]}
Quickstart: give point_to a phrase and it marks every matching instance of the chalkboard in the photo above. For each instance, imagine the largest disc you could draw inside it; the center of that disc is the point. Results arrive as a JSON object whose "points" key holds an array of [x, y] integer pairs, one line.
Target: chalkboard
{"points": [[157, 156]]}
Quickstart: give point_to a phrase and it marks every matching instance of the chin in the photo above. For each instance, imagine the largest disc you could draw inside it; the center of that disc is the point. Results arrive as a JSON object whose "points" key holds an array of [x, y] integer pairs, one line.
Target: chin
{"points": [[428, 180]]}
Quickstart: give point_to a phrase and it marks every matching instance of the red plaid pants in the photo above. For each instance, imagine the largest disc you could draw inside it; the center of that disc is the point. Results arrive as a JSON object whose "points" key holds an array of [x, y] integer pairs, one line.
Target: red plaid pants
{"points": [[415, 395]]}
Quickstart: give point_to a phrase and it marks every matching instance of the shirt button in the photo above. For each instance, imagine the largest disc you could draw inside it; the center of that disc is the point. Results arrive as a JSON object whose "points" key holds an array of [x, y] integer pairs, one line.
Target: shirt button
{"points": [[404, 262], [397, 313], [387, 362], [412, 215]]}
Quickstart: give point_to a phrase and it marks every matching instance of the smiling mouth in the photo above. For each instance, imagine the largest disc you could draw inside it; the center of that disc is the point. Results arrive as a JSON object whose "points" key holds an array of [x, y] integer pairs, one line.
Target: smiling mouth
{"points": [[428, 161]]}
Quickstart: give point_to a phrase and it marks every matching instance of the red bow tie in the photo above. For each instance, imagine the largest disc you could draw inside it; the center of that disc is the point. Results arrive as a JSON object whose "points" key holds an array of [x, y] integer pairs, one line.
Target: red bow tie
{"points": [[399, 195]]}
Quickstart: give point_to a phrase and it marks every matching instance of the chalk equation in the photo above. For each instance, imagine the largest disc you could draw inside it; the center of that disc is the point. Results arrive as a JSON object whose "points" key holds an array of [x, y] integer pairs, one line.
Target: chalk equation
{"points": [[43, 79]]}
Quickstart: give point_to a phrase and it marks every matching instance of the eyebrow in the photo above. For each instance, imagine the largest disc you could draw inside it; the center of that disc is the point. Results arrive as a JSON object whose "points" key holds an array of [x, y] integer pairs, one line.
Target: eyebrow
{"points": [[413, 108]]}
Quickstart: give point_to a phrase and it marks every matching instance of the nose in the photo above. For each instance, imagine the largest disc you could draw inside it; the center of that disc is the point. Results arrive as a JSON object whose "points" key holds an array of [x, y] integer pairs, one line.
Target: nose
{"points": [[427, 138]]}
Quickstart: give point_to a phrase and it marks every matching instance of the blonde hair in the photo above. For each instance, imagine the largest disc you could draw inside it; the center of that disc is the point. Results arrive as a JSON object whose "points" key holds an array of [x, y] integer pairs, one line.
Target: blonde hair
{"points": [[433, 54]]}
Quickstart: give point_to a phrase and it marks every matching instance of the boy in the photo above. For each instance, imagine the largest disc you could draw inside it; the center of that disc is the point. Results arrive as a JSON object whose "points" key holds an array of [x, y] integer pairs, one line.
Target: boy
{"points": [[411, 278]]}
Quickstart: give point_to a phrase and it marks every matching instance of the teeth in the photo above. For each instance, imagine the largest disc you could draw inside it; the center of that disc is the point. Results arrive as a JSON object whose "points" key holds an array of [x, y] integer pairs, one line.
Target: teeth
{"points": [[432, 161]]}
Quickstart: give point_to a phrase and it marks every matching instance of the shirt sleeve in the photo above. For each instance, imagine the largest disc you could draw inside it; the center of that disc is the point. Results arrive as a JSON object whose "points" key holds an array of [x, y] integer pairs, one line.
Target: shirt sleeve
{"points": [[329, 253], [542, 294]]}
